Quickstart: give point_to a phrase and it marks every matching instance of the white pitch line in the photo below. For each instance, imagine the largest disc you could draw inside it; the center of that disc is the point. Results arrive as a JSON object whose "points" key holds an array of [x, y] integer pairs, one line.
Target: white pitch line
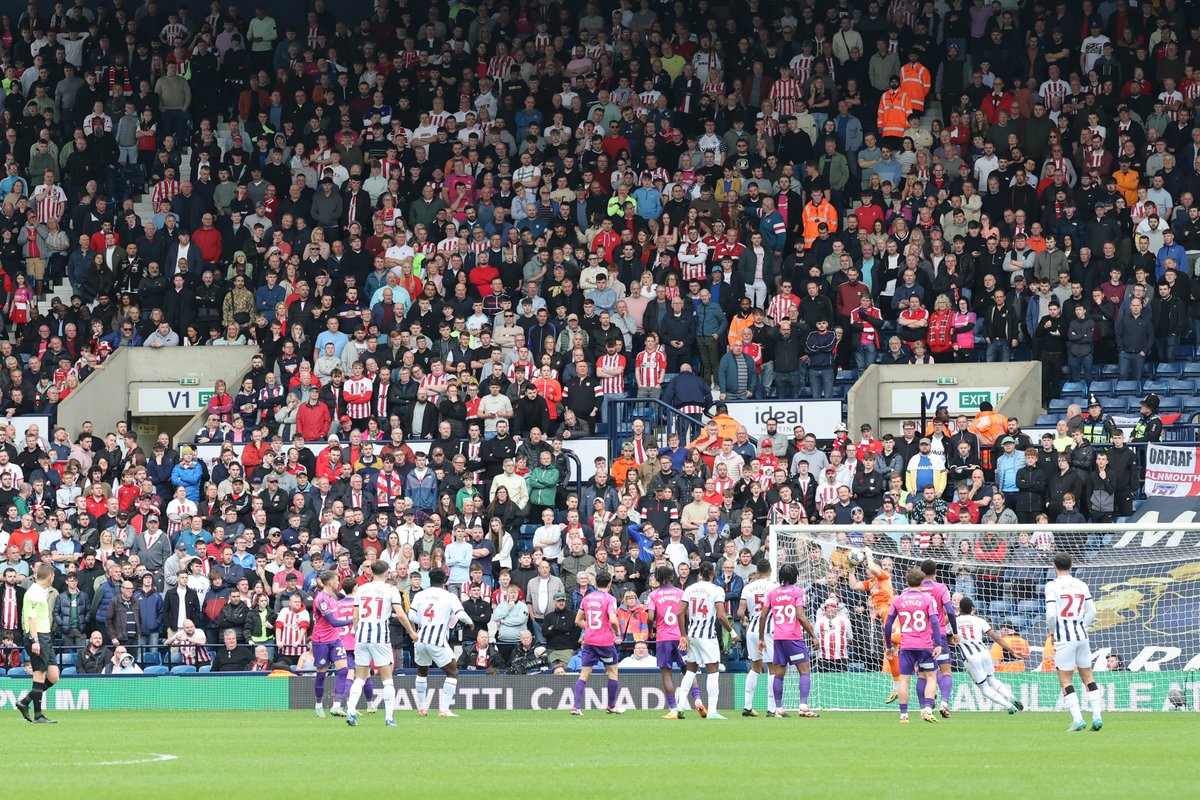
{"points": [[157, 757]]}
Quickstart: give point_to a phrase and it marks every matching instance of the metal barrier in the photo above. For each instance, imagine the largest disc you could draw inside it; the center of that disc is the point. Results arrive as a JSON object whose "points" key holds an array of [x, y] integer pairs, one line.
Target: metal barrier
{"points": [[662, 419]]}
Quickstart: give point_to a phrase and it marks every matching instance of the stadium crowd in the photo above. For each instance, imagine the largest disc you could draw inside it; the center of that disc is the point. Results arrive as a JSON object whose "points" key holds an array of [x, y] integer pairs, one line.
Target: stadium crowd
{"points": [[472, 226]]}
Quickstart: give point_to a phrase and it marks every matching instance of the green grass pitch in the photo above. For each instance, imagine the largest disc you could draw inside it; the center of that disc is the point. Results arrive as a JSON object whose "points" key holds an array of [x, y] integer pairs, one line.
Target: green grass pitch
{"points": [[519, 754]]}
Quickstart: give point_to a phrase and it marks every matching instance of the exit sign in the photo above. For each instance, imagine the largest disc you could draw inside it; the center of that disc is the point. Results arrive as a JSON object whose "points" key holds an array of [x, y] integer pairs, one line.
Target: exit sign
{"points": [[188, 381]]}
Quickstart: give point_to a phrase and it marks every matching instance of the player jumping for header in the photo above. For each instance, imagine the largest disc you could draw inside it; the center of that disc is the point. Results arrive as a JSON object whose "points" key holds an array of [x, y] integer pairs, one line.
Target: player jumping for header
{"points": [[977, 656], [597, 616], [916, 615], [878, 586], [1069, 612], [785, 608]]}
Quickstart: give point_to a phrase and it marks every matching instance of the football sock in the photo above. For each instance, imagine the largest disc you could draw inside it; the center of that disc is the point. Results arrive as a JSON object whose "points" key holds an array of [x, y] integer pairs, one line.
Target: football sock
{"points": [[1071, 701], [893, 665], [751, 688], [319, 687], [805, 687], [904, 708], [369, 689], [422, 689], [946, 686], [35, 697], [1095, 698], [777, 690], [355, 692], [999, 686], [613, 688], [449, 689], [920, 688], [341, 683], [580, 685], [713, 685], [995, 695], [389, 699], [685, 685]]}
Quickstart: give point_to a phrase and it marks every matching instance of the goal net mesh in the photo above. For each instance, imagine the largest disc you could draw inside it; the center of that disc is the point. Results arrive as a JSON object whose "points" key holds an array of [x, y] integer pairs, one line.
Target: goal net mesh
{"points": [[1145, 583]]}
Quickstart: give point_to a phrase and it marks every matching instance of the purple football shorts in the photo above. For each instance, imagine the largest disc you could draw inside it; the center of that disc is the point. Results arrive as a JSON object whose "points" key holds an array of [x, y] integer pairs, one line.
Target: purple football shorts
{"points": [[593, 654], [325, 654], [913, 661], [669, 655], [789, 651]]}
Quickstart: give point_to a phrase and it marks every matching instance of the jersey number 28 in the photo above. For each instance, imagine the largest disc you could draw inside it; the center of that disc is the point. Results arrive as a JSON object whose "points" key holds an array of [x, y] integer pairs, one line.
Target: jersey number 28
{"points": [[914, 622]]}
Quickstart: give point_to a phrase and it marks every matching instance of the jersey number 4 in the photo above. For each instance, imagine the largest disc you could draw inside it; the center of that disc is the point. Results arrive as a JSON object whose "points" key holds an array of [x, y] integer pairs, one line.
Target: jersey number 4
{"points": [[1072, 605]]}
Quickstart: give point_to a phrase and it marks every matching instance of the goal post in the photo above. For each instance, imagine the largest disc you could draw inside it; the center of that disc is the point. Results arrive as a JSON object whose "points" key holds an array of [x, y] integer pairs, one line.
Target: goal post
{"points": [[1144, 579]]}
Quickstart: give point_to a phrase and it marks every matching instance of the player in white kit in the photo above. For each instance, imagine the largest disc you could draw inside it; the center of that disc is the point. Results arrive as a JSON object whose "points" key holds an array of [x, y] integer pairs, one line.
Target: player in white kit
{"points": [[754, 600], [1069, 612], [435, 612], [374, 604], [977, 656], [701, 613]]}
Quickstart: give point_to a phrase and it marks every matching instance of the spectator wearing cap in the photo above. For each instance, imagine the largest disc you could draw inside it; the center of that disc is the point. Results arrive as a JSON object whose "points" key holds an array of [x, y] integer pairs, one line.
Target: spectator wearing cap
{"points": [[152, 545], [925, 469]]}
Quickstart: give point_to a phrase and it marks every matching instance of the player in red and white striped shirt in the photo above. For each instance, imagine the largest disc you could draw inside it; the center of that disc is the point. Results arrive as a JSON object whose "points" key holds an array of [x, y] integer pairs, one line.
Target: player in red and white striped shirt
{"points": [[785, 91], [291, 629], [649, 368], [610, 369], [435, 382], [834, 635]]}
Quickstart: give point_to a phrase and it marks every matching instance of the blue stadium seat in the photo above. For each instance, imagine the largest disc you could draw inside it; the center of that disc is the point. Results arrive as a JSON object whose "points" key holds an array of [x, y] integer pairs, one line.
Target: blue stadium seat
{"points": [[156, 669], [1113, 403], [1192, 369], [1109, 371], [1102, 387], [69, 671], [183, 669], [3, 671], [18, 672], [1128, 388], [1156, 386], [68, 659], [206, 668], [1048, 419], [1171, 404], [1073, 388], [1180, 387], [1059, 407], [847, 375], [1169, 371], [1185, 352], [151, 659]]}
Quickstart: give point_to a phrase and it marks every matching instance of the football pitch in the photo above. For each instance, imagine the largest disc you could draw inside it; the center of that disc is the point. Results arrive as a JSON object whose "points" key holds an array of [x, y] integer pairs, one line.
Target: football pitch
{"points": [[160, 754]]}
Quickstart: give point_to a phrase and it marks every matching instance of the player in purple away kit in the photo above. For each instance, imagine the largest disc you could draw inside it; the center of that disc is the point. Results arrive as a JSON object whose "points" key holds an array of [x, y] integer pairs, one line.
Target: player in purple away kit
{"points": [[785, 608], [341, 686], [326, 639], [919, 626], [949, 622], [664, 615], [597, 617]]}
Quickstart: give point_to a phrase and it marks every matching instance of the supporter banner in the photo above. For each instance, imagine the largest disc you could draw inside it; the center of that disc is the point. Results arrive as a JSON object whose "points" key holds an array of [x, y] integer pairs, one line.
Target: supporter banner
{"points": [[588, 451], [640, 691], [1039, 691], [202, 692], [1172, 471], [819, 417], [957, 400], [1164, 510]]}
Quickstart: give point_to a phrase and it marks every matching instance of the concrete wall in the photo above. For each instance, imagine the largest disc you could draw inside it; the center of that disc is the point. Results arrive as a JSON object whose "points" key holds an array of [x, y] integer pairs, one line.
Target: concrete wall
{"points": [[105, 396], [884, 396]]}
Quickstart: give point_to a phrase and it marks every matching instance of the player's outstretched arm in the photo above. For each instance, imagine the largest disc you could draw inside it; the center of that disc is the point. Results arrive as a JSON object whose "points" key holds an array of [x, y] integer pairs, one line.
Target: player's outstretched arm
{"points": [[399, 613], [998, 639], [683, 624]]}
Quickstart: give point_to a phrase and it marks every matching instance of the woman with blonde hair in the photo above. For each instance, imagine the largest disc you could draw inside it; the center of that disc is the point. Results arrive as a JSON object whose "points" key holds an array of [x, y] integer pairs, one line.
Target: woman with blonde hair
{"points": [[940, 333]]}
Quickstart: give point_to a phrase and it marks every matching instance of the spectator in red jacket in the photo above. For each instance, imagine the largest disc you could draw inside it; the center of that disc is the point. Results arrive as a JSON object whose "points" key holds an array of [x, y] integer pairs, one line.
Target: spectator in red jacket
{"points": [[313, 420]]}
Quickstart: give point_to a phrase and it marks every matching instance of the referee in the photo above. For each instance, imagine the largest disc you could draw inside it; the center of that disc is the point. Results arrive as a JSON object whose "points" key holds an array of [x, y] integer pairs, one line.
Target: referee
{"points": [[36, 615]]}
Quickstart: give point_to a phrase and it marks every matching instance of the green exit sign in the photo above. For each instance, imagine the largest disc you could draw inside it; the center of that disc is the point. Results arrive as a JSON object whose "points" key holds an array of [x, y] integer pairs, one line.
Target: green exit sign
{"points": [[947, 381], [188, 381]]}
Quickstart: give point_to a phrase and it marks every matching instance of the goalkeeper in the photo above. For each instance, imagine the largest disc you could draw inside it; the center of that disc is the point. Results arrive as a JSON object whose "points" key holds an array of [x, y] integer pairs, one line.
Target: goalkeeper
{"points": [[878, 586]]}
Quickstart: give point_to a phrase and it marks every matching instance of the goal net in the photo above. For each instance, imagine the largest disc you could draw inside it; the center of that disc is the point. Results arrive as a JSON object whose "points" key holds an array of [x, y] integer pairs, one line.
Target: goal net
{"points": [[1145, 580]]}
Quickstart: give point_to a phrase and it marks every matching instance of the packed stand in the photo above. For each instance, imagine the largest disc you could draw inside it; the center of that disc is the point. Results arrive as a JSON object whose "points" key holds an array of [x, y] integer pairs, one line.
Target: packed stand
{"points": [[471, 227]]}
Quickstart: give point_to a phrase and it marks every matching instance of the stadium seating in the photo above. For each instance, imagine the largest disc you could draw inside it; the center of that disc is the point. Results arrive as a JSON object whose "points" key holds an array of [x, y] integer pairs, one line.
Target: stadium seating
{"points": [[183, 669], [68, 671], [18, 672], [156, 669]]}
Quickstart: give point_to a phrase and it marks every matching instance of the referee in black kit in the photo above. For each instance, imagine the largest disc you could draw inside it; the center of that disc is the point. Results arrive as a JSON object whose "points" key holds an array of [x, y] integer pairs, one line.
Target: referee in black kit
{"points": [[35, 614]]}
